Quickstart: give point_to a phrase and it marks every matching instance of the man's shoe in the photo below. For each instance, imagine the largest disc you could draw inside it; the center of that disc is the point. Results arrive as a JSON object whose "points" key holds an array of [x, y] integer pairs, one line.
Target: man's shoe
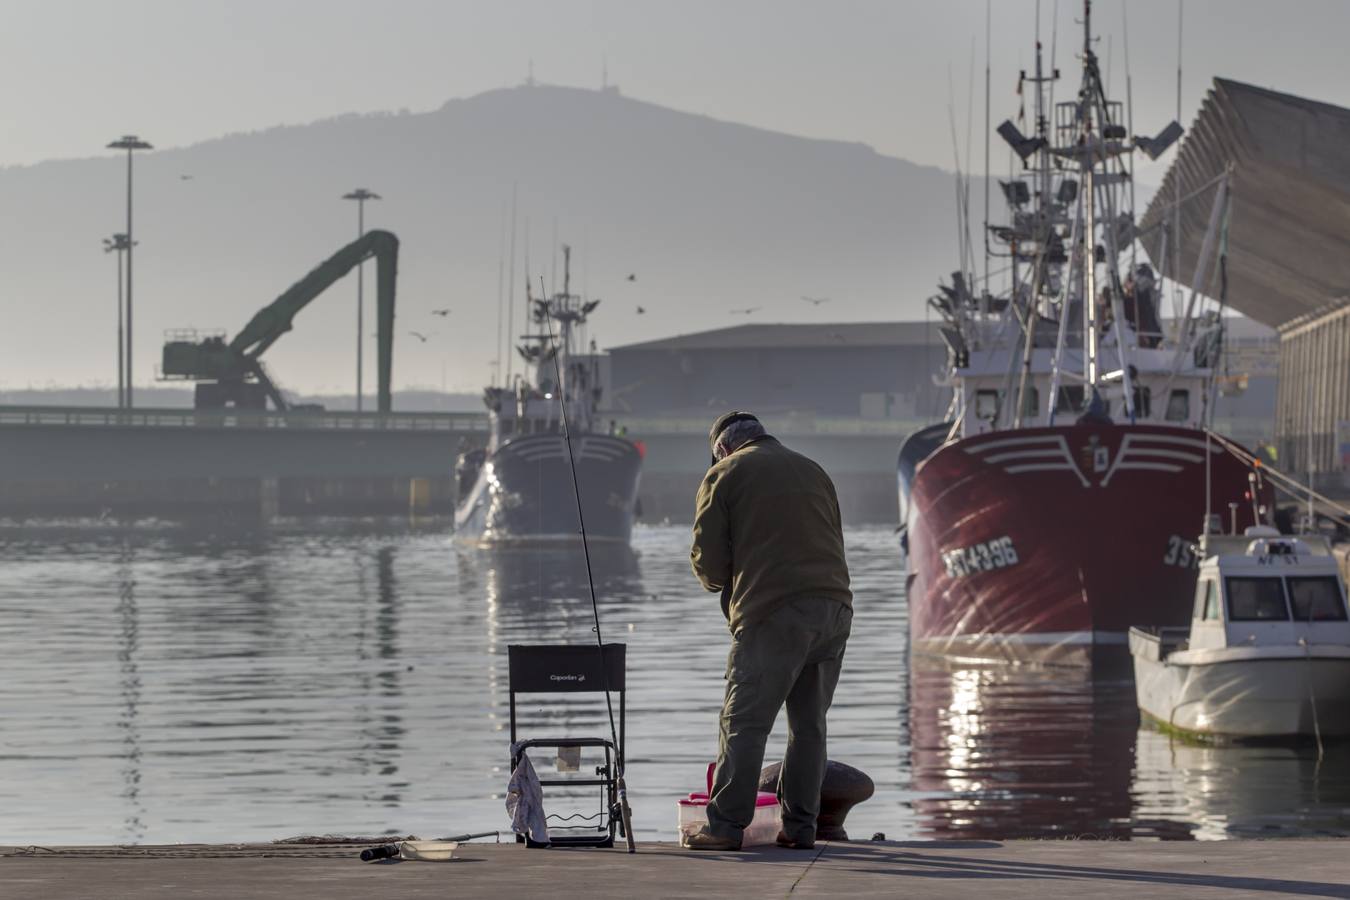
{"points": [[789, 843], [705, 840]]}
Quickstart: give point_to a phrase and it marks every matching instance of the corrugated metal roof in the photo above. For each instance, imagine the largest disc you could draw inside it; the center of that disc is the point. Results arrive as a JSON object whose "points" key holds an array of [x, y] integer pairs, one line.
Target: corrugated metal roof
{"points": [[1290, 223], [756, 335]]}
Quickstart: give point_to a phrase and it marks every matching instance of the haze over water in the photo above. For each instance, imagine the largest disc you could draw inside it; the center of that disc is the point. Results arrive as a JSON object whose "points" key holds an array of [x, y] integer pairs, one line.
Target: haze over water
{"points": [[161, 684]]}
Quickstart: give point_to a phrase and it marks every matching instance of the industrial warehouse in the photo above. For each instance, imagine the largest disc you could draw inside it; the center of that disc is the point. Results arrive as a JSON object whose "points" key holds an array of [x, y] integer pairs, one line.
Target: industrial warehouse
{"points": [[1288, 268]]}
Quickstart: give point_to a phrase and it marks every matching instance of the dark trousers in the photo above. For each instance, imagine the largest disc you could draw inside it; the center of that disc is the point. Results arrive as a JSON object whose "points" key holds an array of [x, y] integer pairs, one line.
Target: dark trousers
{"points": [[793, 657]]}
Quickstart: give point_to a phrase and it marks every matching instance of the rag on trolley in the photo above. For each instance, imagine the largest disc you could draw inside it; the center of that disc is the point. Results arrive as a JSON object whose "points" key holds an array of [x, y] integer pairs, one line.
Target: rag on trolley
{"points": [[525, 799]]}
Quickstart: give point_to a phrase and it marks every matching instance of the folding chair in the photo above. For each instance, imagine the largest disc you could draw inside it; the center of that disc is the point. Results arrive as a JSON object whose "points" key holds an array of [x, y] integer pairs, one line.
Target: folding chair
{"points": [[553, 669]]}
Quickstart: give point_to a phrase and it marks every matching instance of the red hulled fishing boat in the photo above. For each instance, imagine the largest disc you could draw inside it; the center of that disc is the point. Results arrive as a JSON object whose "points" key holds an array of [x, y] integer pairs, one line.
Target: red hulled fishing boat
{"points": [[1060, 502]]}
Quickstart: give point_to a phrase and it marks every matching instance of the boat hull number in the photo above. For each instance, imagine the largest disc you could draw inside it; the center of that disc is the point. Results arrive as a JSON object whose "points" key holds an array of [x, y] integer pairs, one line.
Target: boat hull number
{"points": [[1181, 553], [998, 553]]}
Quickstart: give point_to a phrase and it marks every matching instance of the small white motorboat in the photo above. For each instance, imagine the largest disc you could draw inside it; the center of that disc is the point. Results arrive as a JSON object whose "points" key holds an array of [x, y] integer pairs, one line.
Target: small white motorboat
{"points": [[1267, 654]]}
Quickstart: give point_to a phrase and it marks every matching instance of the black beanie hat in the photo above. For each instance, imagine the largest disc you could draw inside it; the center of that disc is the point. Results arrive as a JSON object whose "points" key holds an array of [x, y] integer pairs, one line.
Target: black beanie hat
{"points": [[721, 424]]}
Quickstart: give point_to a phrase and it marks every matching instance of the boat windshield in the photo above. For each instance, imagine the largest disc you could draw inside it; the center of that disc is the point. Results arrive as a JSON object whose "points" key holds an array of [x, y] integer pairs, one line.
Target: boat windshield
{"points": [[1316, 599], [1256, 599]]}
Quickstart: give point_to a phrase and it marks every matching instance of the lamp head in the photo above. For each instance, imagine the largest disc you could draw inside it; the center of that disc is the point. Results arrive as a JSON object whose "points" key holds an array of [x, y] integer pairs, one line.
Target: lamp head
{"points": [[130, 142]]}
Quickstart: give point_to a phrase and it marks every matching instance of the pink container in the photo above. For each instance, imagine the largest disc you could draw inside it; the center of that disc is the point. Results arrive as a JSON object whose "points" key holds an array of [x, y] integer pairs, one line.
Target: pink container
{"points": [[763, 828]]}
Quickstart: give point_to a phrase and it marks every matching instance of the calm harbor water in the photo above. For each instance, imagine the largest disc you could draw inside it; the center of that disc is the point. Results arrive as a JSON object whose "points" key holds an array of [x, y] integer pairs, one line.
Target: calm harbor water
{"points": [[162, 684]]}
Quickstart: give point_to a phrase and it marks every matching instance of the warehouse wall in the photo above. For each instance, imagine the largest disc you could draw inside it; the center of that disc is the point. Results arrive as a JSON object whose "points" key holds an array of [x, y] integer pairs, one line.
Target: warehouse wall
{"points": [[1314, 394], [867, 382]]}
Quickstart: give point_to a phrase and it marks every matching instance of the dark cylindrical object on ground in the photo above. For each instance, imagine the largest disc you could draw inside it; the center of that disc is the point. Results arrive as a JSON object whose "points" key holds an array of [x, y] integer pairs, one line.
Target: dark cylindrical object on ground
{"points": [[386, 851], [844, 787]]}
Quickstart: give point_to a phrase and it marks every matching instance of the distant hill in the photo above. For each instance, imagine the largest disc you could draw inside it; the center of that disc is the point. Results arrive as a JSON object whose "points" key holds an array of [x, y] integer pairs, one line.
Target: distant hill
{"points": [[707, 214]]}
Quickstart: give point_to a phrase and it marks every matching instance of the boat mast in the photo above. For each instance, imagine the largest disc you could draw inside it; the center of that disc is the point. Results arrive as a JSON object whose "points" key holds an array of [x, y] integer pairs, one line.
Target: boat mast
{"points": [[1087, 166], [562, 308], [1044, 225]]}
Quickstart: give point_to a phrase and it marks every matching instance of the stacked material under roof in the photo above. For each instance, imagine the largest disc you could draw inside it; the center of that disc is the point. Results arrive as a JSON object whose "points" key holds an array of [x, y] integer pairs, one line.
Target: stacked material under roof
{"points": [[1289, 229]]}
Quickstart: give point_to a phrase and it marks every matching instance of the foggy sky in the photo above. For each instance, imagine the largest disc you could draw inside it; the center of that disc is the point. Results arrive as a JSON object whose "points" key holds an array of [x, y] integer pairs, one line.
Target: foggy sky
{"points": [[80, 72]]}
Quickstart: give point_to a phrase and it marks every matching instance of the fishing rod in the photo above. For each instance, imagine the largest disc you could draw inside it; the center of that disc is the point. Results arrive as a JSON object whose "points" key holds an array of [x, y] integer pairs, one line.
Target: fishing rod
{"points": [[626, 815]]}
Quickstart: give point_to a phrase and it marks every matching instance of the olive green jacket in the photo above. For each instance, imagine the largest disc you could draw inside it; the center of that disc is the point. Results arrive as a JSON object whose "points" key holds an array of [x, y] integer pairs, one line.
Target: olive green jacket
{"points": [[766, 531]]}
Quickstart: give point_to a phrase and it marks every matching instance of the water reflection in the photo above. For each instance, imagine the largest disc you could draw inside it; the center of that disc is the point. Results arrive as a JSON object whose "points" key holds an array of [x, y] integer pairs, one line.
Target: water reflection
{"points": [[541, 594], [1007, 752], [1243, 791], [168, 685], [1002, 752], [379, 709], [128, 723]]}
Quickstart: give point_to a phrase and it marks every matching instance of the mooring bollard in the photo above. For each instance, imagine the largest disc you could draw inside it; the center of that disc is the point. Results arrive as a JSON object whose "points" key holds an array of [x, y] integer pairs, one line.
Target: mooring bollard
{"points": [[844, 787]]}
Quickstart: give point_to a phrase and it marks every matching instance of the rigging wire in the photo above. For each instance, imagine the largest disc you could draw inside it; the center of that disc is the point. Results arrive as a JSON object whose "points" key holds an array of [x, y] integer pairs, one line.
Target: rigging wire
{"points": [[1129, 117], [970, 127], [511, 294], [501, 263], [1287, 483], [1176, 188], [1054, 41], [988, 14], [956, 156], [590, 578]]}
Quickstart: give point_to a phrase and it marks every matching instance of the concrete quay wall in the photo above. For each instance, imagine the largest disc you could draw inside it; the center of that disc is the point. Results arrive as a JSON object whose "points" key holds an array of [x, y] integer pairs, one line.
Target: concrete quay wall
{"points": [[992, 870], [97, 463]]}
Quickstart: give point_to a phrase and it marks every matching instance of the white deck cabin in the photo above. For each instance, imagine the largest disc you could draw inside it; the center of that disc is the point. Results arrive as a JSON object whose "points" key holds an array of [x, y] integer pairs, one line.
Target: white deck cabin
{"points": [[988, 385], [1267, 654]]}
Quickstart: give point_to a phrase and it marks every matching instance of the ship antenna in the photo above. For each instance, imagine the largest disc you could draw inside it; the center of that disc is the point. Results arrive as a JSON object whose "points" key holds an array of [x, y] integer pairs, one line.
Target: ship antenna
{"points": [[1129, 115], [988, 15], [624, 811]]}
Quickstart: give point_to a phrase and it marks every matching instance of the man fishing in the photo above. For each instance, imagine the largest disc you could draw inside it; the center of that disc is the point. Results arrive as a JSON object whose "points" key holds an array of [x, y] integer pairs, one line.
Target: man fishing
{"points": [[767, 535]]}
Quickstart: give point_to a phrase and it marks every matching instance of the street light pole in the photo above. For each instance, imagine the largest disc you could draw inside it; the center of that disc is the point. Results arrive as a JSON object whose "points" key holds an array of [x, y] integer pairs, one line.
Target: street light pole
{"points": [[118, 244], [360, 195], [129, 143]]}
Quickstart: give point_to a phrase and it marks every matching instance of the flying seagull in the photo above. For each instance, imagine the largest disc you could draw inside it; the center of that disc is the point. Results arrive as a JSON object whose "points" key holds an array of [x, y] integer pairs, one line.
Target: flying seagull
{"points": [[641, 310], [184, 177], [816, 301], [417, 334], [440, 312], [632, 276], [745, 312]]}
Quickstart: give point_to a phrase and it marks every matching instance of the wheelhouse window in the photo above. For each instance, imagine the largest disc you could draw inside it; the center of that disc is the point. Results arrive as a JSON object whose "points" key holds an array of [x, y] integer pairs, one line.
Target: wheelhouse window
{"points": [[1256, 600], [1143, 402], [1316, 599], [1207, 602], [986, 405], [1179, 406], [1070, 399]]}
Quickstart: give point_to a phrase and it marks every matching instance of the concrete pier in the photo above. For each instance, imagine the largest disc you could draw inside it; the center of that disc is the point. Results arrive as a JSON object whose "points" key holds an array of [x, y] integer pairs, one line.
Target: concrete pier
{"points": [[957, 869]]}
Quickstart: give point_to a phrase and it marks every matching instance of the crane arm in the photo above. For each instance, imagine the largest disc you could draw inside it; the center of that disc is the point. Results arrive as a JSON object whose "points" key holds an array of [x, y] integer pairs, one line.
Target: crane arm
{"points": [[274, 320]]}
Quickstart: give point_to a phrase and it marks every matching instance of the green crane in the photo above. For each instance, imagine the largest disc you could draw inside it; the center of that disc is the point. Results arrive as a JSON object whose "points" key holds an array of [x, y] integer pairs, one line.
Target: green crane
{"points": [[232, 374]]}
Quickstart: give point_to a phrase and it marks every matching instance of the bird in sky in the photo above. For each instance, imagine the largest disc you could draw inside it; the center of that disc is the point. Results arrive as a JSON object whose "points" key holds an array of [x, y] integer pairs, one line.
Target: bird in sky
{"points": [[184, 177], [746, 311], [641, 310], [419, 335], [440, 312], [816, 301], [632, 276]]}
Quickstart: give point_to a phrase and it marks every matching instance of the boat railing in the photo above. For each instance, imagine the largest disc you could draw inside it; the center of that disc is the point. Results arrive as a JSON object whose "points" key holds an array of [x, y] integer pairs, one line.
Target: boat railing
{"points": [[784, 425], [1157, 642], [323, 420], [1317, 504]]}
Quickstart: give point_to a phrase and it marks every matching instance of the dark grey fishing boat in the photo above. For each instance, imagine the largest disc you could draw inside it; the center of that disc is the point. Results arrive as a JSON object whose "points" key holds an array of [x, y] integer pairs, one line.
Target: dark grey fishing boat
{"points": [[519, 489]]}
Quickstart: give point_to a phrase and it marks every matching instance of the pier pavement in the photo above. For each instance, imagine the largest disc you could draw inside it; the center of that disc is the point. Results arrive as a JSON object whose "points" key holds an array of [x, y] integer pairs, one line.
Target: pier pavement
{"points": [[990, 870]]}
